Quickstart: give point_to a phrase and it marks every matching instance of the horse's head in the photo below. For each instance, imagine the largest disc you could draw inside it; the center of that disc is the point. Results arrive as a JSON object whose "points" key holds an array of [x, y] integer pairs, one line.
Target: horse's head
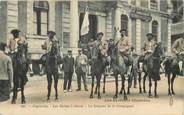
{"points": [[112, 51], [158, 51], [22, 52]]}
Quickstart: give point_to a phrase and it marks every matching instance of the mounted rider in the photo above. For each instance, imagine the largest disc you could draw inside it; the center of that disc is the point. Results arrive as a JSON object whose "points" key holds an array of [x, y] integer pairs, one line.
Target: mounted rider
{"points": [[13, 47], [149, 45], [13, 42], [48, 43], [178, 52], [124, 49]]}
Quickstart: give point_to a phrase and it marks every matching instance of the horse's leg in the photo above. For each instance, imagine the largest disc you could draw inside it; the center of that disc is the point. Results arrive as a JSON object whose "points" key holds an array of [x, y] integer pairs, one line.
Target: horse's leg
{"points": [[172, 82], [104, 81], [96, 88], [55, 85], [49, 80], [169, 82], [98, 78], [14, 94], [121, 90], [130, 79], [22, 92], [140, 88], [144, 82], [156, 95], [116, 82], [123, 86], [92, 85], [150, 84]]}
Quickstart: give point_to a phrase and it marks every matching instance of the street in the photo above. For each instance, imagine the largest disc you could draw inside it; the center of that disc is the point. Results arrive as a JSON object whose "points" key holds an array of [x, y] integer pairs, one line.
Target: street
{"points": [[76, 103]]}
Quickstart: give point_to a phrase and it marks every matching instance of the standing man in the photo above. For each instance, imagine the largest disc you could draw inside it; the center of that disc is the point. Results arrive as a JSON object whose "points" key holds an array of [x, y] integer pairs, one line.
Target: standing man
{"points": [[6, 76], [124, 47], [68, 67], [81, 69], [178, 51]]}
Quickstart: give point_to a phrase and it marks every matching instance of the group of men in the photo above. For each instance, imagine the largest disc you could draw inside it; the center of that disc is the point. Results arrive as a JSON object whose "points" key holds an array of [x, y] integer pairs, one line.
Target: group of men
{"points": [[80, 63]]}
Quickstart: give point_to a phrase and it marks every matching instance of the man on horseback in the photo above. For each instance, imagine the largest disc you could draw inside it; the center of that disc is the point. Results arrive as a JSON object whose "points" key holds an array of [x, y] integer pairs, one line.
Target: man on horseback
{"points": [[48, 44], [148, 46], [124, 47], [13, 46], [178, 51]]}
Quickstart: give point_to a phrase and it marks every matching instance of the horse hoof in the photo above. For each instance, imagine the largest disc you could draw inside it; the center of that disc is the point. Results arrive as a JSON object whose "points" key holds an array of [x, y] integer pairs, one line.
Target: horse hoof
{"points": [[115, 97], [91, 96], [48, 99], [99, 97], [95, 92], [150, 96], [120, 92], [156, 96], [125, 98], [169, 93], [23, 102], [173, 93], [56, 98], [140, 91], [145, 91], [13, 102], [103, 91]]}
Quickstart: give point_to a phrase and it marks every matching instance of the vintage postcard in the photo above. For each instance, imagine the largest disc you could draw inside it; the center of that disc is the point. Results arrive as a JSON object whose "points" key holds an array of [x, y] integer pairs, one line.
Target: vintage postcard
{"points": [[75, 57]]}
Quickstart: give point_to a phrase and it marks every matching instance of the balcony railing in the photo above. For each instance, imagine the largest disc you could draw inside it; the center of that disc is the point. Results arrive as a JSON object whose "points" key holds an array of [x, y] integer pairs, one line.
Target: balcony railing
{"points": [[154, 5]]}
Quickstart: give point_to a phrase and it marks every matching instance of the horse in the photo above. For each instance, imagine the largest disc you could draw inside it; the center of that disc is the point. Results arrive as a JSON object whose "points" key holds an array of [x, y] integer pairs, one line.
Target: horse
{"points": [[119, 68], [153, 67], [51, 62], [20, 69], [171, 68], [97, 69]]}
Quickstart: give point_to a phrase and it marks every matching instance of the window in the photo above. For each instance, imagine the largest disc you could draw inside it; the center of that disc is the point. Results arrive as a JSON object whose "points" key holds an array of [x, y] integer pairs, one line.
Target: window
{"points": [[155, 28], [41, 9], [124, 23]]}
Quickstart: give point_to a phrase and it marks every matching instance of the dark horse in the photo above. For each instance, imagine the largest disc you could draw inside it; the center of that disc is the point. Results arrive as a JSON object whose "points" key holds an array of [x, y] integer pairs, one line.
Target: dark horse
{"points": [[171, 68], [119, 68], [97, 69], [153, 67], [51, 62], [21, 67]]}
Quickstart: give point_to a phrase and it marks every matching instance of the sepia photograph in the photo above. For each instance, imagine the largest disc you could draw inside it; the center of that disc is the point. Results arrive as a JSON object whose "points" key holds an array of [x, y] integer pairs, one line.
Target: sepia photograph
{"points": [[90, 57]]}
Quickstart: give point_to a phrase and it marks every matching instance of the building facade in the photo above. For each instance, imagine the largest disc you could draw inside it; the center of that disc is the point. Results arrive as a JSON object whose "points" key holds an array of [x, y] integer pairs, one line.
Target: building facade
{"points": [[35, 18]]}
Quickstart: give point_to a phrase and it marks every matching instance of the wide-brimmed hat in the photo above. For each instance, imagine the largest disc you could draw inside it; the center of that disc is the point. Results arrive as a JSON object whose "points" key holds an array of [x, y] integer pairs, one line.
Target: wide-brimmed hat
{"points": [[122, 30], [69, 51], [100, 33], [14, 31], [51, 32], [149, 34]]}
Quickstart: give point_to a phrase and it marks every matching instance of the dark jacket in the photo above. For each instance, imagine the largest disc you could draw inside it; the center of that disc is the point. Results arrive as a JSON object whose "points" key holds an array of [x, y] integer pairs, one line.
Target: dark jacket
{"points": [[68, 64]]}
